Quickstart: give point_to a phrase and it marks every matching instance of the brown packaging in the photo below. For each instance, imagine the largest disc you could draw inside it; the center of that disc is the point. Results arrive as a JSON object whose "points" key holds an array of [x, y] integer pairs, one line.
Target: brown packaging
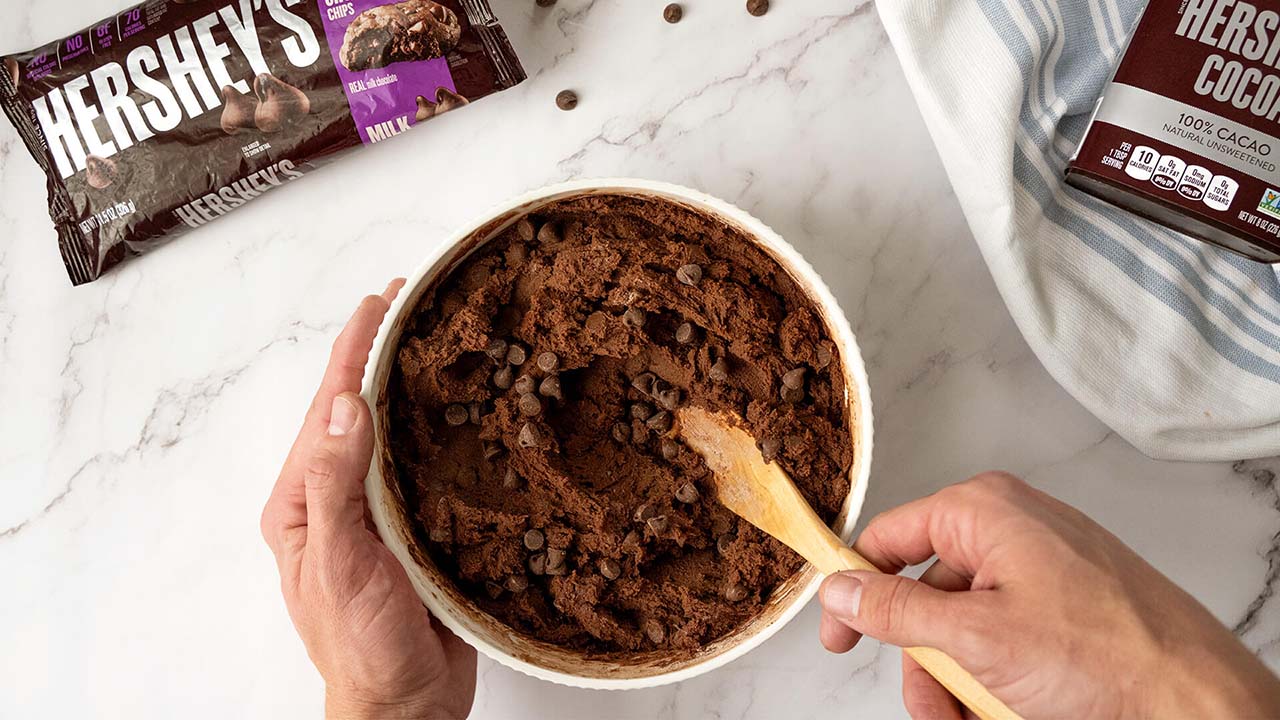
{"points": [[1187, 133], [175, 112]]}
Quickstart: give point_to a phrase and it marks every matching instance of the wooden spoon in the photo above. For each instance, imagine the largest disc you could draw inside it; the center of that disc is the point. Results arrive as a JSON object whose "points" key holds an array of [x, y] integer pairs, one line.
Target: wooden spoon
{"points": [[764, 496]]}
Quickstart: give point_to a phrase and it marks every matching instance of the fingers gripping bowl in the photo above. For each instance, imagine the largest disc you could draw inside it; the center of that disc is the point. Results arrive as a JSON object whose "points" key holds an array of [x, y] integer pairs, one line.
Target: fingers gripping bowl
{"points": [[399, 519]]}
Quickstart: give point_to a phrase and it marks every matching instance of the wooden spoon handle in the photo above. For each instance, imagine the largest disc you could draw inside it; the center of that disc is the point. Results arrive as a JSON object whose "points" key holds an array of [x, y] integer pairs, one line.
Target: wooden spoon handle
{"points": [[834, 556]]}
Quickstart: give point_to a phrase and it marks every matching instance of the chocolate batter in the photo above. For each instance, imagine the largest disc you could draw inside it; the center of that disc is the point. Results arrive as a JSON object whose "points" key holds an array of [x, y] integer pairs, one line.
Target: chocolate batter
{"points": [[532, 429]]}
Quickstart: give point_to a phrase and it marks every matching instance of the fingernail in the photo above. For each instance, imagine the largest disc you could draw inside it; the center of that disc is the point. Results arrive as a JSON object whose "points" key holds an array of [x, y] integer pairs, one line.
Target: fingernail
{"points": [[842, 596], [342, 417]]}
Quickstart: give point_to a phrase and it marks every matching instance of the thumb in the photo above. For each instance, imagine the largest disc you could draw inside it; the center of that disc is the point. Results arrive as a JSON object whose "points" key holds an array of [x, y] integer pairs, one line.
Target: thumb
{"points": [[901, 611], [336, 469]]}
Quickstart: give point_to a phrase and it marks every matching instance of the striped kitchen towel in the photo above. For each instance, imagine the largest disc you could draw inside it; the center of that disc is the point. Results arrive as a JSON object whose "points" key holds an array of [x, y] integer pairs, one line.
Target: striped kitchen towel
{"points": [[1171, 342]]}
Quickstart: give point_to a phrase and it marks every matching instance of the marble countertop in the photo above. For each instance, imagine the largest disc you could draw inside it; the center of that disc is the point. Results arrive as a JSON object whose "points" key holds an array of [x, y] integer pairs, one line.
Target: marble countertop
{"points": [[145, 416]]}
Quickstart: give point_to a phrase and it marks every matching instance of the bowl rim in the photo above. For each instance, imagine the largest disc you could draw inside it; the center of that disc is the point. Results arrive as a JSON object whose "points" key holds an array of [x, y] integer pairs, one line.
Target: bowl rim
{"points": [[835, 319]]}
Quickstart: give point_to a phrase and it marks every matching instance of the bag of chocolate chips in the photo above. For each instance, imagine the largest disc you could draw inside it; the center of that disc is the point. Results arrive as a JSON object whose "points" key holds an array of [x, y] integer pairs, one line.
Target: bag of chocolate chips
{"points": [[175, 112]]}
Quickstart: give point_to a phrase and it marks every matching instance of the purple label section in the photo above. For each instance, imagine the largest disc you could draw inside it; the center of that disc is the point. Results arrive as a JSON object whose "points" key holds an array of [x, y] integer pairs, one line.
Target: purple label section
{"points": [[104, 36], [43, 64], [131, 23], [73, 47], [384, 102]]}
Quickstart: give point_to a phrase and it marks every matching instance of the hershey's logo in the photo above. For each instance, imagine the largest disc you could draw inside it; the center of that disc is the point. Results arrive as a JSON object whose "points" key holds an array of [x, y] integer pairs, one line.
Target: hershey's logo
{"points": [[193, 67], [1242, 30], [208, 208]]}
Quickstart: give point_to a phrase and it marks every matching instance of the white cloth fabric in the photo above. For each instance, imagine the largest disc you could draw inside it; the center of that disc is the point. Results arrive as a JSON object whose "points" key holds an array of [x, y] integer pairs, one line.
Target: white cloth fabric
{"points": [[1171, 342]]}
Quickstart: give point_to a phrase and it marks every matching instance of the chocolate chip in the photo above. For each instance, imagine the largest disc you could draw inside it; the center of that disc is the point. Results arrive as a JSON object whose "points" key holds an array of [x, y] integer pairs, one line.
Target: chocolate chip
{"points": [[525, 229], [670, 449], [439, 533], [719, 371], [794, 379], [493, 588], [686, 333], [687, 493], [530, 436], [735, 593], [456, 415], [669, 399], [792, 395], [517, 583], [658, 524], [502, 377], [102, 172], [517, 254], [529, 405], [280, 104], [546, 3], [473, 413], [633, 317], [672, 13], [538, 564], [824, 355], [723, 542], [644, 382], [534, 539], [689, 274], [550, 387], [566, 99], [548, 234], [645, 512], [555, 562], [660, 422], [621, 432], [769, 448], [654, 630], [516, 354], [757, 7], [632, 539], [524, 384], [641, 411], [511, 480], [496, 349], [548, 362], [721, 524], [492, 450], [610, 568]]}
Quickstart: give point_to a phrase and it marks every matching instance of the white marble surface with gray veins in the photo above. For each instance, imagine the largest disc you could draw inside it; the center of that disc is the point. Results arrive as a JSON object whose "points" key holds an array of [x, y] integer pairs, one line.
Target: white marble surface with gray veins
{"points": [[145, 415]]}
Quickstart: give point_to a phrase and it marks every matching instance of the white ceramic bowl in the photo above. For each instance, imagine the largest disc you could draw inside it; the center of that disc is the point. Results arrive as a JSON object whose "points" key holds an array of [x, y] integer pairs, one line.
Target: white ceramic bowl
{"points": [[492, 637]]}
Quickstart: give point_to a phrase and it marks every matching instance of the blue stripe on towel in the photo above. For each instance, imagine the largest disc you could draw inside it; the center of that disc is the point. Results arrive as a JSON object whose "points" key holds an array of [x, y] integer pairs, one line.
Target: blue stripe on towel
{"points": [[1164, 290]]}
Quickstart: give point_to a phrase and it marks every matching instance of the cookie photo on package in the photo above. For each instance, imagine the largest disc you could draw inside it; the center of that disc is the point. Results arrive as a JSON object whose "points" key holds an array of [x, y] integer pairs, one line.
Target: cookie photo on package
{"points": [[171, 114]]}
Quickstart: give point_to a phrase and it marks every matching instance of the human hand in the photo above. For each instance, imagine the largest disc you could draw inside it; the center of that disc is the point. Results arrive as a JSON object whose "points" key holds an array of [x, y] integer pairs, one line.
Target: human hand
{"points": [[380, 652], [1052, 613]]}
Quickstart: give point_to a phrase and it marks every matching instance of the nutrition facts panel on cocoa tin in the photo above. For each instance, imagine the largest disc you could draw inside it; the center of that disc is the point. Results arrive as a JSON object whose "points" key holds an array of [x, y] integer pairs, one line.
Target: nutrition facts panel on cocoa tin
{"points": [[1172, 173]]}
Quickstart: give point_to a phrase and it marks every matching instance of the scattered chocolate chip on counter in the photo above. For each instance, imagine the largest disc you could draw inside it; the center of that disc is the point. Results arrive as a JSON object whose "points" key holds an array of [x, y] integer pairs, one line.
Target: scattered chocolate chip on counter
{"points": [[672, 13], [567, 100], [757, 7]]}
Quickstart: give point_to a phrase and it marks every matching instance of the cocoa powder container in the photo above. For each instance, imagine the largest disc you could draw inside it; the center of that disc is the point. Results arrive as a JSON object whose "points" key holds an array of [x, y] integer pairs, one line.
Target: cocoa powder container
{"points": [[500, 642], [1187, 132]]}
